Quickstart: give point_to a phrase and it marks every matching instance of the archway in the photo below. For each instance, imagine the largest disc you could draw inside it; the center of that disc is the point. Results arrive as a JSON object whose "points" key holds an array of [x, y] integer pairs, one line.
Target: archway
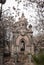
{"points": [[22, 45]]}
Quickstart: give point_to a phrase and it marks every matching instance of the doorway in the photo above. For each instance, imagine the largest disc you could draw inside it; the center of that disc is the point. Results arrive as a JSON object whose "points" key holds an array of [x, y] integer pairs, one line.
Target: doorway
{"points": [[22, 43]]}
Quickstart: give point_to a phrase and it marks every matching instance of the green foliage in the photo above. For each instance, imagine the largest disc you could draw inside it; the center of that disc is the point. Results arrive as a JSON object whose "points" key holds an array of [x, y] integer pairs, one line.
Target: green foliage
{"points": [[38, 59]]}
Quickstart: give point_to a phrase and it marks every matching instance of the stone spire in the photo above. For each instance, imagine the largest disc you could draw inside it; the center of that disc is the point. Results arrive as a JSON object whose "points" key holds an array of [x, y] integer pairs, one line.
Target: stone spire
{"points": [[22, 18], [22, 15]]}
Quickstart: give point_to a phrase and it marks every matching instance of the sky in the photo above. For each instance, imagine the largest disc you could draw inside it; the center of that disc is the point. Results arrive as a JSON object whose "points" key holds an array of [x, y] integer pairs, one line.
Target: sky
{"points": [[30, 11]]}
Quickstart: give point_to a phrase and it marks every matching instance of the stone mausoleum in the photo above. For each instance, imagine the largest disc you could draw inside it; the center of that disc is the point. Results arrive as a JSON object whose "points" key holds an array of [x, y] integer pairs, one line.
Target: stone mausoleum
{"points": [[22, 46]]}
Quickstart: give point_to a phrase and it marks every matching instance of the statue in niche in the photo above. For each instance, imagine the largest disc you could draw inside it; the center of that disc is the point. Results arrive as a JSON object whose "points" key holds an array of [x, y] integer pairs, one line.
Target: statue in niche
{"points": [[22, 45]]}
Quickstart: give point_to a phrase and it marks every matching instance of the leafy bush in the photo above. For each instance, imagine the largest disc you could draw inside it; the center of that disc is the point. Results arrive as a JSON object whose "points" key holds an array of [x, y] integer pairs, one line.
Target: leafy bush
{"points": [[38, 59]]}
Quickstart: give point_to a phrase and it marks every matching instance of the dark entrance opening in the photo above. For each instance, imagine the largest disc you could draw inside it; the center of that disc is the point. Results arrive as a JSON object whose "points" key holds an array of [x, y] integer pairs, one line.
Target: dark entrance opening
{"points": [[22, 45]]}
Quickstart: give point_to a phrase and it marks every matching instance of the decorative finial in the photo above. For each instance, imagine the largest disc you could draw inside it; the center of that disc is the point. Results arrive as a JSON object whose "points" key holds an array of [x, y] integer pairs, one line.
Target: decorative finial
{"points": [[30, 26], [22, 14]]}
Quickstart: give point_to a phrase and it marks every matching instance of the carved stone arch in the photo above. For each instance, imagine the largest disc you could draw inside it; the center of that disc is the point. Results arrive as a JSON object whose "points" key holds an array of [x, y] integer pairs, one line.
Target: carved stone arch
{"points": [[22, 44], [25, 38]]}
